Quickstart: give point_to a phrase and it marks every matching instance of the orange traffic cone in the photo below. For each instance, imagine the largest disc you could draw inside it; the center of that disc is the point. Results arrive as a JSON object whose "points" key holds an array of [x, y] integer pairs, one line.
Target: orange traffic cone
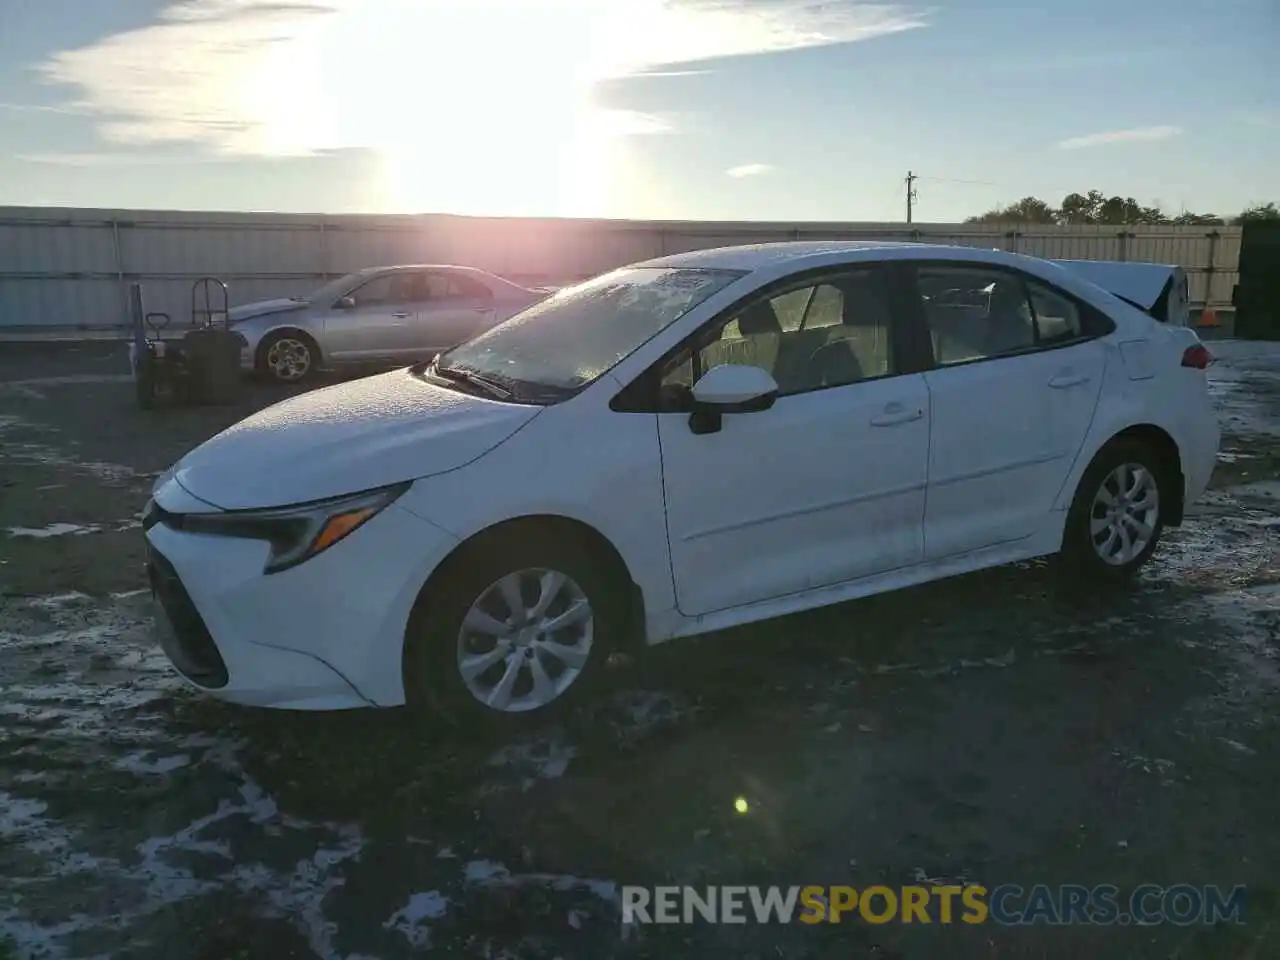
{"points": [[1209, 318]]}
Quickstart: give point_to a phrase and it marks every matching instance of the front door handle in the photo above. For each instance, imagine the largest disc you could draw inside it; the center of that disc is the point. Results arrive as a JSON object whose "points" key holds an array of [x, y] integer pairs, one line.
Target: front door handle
{"points": [[1069, 379], [400, 315], [895, 414]]}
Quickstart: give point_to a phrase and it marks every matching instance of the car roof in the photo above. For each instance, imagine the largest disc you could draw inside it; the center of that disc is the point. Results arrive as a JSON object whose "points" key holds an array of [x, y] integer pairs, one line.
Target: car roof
{"points": [[793, 253], [425, 266], [765, 262]]}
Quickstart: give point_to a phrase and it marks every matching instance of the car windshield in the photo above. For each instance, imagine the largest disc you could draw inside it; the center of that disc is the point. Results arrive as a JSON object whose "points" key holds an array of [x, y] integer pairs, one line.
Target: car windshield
{"points": [[568, 340], [334, 289]]}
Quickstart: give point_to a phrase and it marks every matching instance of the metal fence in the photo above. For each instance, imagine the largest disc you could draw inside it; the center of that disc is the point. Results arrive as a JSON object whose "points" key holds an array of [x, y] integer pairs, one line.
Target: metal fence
{"points": [[71, 268]]}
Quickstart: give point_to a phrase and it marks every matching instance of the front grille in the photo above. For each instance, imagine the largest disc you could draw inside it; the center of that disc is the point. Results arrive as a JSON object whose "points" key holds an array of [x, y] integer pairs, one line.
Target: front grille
{"points": [[188, 644]]}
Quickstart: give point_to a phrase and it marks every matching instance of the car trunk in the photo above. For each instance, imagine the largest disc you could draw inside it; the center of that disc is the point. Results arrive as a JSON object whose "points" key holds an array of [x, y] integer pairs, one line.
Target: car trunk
{"points": [[1158, 289]]}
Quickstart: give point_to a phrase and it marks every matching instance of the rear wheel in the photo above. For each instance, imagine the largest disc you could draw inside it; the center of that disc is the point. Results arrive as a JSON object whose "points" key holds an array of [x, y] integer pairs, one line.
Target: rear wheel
{"points": [[1117, 517], [518, 631]]}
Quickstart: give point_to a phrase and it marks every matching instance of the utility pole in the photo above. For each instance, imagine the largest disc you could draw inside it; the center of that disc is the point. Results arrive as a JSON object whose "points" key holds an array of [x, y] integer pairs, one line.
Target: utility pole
{"points": [[911, 192]]}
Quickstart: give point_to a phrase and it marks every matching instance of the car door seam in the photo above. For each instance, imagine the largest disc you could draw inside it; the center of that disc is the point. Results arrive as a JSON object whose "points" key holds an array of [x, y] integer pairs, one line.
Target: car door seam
{"points": [[1088, 430]]}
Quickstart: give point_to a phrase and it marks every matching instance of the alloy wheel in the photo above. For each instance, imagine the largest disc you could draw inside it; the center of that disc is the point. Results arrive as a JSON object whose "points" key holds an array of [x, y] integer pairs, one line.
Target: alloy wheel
{"points": [[1126, 508], [288, 359], [525, 640]]}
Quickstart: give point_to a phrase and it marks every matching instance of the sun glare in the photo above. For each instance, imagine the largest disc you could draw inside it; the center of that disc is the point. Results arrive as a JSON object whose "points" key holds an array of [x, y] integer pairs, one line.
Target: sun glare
{"points": [[472, 106], [482, 106]]}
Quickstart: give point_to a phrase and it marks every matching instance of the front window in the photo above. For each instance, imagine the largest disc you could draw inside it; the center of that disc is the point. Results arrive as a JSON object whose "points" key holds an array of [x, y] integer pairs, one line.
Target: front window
{"points": [[563, 343], [331, 291]]}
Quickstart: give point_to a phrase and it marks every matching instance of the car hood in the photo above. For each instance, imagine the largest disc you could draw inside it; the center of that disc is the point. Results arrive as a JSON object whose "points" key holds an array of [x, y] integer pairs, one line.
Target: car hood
{"points": [[346, 438], [260, 308]]}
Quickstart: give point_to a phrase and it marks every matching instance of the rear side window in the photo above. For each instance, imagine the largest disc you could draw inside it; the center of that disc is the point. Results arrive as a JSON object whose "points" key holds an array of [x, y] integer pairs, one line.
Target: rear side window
{"points": [[1057, 318], [978, 313], [468, 287], [974, 313]]}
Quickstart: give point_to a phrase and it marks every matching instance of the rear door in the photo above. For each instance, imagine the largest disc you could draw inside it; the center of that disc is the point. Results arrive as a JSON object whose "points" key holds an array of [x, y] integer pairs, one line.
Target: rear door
{"points": [[1016, 374], [454, 308]]}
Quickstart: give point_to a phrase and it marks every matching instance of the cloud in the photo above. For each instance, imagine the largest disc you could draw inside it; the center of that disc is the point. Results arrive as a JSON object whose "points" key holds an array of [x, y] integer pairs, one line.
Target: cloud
{"points": [[1268, 121], [749, 170], [38, 108], [1135, 135], [287, 78], [645, 74], [105, 159]]}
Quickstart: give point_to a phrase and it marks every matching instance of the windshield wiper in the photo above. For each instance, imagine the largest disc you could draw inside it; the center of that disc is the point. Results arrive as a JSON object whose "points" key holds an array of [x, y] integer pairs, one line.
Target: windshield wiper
{"points": [[456, 374]]}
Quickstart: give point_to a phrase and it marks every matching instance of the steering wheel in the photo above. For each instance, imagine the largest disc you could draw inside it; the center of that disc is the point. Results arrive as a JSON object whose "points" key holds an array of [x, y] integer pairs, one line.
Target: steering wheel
{"points": [[823, 357]]}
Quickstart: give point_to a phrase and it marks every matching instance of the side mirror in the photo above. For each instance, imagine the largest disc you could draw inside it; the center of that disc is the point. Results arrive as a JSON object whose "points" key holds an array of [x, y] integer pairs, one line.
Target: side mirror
{"points": [[346, 303], [730, 388]]}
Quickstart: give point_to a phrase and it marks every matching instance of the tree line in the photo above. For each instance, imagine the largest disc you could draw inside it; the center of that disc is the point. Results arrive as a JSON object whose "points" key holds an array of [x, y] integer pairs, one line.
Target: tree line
{"points": [[1097, 207]]}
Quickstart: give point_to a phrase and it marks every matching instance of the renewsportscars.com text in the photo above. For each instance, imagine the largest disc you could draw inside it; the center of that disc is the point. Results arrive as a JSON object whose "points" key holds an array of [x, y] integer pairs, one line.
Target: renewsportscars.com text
{"points": [[1007, 905]]}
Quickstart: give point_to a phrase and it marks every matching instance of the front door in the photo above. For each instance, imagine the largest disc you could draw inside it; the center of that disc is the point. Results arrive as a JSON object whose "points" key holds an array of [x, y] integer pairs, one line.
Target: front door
{"points": [[380, 324], [1017, 377], [826, 486]]}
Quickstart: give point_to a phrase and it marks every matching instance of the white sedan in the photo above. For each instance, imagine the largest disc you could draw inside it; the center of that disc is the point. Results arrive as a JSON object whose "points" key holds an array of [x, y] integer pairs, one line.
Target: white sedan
{"points": [[676, 447]]}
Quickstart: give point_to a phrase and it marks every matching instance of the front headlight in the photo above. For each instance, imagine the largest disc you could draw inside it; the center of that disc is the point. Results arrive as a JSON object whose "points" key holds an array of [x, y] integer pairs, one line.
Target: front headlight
{"points": [[299, 532]]}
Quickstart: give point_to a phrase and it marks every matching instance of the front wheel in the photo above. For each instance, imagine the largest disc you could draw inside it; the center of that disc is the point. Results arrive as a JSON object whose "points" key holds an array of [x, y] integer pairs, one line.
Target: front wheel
{"points": [[288, 357], [518, 631], [1116, 519]]}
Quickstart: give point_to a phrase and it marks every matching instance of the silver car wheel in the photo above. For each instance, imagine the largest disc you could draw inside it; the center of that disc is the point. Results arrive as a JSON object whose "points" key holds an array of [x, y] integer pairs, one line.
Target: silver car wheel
{"points": [[1125, 510], [525, 640], [288, 359]]}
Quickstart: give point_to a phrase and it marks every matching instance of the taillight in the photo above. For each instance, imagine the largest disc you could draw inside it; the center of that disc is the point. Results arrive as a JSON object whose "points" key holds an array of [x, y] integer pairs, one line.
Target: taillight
{"points": [[1198, 357]]}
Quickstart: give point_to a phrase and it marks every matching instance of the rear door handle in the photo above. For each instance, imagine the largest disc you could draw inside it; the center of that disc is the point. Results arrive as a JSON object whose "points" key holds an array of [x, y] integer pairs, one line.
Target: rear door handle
{"points": [[400, 315], [1064, 380], [894, 414]]}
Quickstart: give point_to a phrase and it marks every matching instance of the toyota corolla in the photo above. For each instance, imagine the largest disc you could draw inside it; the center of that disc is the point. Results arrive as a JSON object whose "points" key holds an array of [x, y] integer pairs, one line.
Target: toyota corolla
{"points": [[676, 447]]}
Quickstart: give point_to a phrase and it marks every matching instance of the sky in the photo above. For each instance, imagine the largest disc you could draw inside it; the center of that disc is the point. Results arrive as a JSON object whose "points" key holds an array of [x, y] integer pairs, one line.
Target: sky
{"points": [[652, 109]]}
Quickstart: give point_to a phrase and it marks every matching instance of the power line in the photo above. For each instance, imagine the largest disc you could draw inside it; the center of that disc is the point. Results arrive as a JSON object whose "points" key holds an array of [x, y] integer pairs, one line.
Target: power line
{"points": [[981, 183]]}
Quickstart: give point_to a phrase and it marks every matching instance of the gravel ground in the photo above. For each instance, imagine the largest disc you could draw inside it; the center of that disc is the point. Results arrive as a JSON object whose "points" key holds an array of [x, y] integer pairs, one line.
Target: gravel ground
{"points": [[991, 728]]}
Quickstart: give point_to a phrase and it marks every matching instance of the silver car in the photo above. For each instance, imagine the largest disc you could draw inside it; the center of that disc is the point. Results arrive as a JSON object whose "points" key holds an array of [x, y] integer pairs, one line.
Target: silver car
{"points": [[377, 315]]}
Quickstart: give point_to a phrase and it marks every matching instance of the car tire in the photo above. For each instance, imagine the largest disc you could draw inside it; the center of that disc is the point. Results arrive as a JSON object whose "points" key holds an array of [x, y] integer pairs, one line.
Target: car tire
{"points": [[439, 644], [288, 357], [1117, 516]]}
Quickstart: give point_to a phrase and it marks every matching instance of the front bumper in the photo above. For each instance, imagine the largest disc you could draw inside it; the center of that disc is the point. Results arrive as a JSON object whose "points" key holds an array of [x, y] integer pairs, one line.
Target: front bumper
{"points": [[325, 635]]}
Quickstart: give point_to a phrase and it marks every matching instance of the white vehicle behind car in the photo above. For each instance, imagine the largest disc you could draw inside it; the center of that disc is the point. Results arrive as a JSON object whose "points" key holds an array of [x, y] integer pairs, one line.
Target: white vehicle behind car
{"points": [[378, 315], [680, 446]]}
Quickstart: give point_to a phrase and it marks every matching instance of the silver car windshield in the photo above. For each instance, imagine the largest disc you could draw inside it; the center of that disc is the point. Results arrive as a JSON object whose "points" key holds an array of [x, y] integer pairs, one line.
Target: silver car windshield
{"points": [[565, 342]]}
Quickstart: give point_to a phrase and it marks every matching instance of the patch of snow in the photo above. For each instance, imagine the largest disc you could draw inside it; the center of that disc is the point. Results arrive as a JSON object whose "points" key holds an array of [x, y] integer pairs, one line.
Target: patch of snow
{"points": [[489, 873], [409, 918], [54, 530], [537, 758], [56, 600], [139, 765]]}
